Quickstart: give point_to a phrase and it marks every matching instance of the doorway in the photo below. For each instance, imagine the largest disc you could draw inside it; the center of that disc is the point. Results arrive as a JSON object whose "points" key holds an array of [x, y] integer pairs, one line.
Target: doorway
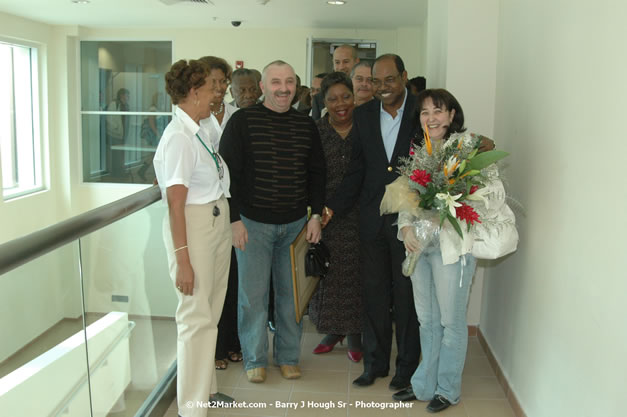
{"points": [[320, 53]]}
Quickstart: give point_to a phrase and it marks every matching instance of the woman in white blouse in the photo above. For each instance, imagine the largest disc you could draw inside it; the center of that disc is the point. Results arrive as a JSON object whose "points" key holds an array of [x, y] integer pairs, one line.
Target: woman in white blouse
{"points": [[194, 180]]}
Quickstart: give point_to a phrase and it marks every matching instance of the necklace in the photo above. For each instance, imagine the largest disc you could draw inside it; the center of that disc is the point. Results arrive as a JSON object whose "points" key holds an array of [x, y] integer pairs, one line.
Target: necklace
{"points": [[220, 110], [342, 131], [215, 156]]}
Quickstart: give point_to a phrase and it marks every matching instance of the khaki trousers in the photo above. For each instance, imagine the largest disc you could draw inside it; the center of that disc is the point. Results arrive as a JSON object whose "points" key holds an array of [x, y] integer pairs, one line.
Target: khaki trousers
{"points": [[197, 315]]}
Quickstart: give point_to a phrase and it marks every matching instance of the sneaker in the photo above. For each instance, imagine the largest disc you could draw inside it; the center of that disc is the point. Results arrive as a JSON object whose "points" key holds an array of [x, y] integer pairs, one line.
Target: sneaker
{"points": [[290, 371], [437, 404], [256, 375]]}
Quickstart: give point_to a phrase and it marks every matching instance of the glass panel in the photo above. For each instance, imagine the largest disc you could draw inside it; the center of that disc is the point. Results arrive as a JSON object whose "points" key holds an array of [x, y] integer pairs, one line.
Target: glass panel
{"points": [[119, 148], [124, 76], [129, 291], [43, 364]]}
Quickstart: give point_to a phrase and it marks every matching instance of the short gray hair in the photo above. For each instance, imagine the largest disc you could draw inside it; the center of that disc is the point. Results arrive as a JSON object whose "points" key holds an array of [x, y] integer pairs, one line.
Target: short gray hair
{"points": [[243, 72], [361, 64], [278, 63]]}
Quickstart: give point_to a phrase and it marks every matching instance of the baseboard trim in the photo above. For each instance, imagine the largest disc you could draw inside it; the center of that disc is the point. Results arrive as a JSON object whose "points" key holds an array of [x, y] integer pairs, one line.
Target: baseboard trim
{"points": [[511, 396]]}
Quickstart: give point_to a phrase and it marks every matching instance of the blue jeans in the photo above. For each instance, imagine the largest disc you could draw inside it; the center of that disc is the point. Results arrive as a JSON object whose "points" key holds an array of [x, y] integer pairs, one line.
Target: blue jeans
{"points": [[268, 247], [441, 304]]}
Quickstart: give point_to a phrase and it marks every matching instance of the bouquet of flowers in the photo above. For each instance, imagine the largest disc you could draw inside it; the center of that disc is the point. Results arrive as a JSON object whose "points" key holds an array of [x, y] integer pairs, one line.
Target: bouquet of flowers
{"points": [[441, 184]]}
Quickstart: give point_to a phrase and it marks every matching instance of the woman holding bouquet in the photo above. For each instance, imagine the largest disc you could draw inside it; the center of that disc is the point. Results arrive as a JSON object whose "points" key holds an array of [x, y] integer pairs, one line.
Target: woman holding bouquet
{"points": [[445, 267]]}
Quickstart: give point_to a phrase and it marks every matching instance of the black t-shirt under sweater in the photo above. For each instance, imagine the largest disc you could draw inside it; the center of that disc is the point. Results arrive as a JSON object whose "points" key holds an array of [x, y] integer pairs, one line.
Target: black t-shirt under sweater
{"points": [[276, 164]]}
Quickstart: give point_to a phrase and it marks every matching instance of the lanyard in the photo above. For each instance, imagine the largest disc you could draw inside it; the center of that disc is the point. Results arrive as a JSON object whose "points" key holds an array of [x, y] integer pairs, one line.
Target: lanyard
{"points": [[216, 158]]}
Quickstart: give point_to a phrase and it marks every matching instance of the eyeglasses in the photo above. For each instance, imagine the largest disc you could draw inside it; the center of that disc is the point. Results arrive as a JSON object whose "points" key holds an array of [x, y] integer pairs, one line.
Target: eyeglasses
{"points": [[387, 81]]}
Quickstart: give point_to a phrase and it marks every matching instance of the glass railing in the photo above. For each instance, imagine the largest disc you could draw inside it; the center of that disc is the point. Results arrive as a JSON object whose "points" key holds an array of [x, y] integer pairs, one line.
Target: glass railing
{"points": [[88, 327]]}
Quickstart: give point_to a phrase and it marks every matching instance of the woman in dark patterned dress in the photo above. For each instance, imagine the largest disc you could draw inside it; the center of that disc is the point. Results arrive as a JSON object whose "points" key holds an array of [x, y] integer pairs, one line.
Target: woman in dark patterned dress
{"points": [[335, 308]]}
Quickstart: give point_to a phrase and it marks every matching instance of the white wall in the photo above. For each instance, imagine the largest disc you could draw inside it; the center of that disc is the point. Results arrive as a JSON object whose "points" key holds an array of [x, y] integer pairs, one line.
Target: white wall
{"points": [[461, 57], [23, 215], [554, 312], [436, 43], [410, 47], [41, 293]]}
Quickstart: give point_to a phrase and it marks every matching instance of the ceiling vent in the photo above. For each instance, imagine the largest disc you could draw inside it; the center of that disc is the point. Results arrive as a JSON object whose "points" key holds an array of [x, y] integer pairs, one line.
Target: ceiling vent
{"points": [[172, 2]]}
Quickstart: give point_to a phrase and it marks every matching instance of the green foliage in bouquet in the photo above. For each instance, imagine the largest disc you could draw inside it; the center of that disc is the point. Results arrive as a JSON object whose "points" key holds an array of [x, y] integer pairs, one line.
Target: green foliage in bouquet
{"points": [[446, 176]]}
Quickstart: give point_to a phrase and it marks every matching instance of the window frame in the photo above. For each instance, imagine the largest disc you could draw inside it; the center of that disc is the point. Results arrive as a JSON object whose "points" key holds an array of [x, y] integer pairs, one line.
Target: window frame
{"points": [[37, 108], [81, 112]]}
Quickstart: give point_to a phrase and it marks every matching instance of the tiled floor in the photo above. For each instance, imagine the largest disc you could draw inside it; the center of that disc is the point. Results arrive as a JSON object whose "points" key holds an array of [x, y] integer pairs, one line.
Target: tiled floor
{"points": [[326, 382]]}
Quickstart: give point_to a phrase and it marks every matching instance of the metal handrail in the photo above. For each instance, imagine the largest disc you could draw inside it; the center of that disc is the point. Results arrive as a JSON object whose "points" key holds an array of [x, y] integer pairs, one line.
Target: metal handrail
{"points": [[24, 249]]}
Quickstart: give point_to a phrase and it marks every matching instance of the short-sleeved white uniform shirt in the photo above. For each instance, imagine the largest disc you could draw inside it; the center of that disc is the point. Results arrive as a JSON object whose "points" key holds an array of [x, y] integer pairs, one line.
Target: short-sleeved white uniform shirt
{"points": [[181, 158], [214, 128]]}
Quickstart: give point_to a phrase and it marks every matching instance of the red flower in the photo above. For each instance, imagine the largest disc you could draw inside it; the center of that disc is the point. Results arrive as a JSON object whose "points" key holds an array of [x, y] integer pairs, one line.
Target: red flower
{"points": [[421, 176], [473, 189], [465, 212]]}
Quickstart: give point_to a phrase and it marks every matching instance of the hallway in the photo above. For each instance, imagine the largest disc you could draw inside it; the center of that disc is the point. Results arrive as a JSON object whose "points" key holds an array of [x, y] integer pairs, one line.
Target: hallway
{"points": [[327, 380]]}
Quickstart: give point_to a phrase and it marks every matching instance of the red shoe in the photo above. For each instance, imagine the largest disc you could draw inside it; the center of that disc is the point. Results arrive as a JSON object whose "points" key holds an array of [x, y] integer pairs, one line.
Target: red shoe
{"points": [[326, 348], [354, 355]]}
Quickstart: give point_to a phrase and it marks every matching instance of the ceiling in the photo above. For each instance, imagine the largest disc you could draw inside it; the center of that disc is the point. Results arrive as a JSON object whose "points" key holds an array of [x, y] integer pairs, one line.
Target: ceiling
{"points": [[356, 14]]}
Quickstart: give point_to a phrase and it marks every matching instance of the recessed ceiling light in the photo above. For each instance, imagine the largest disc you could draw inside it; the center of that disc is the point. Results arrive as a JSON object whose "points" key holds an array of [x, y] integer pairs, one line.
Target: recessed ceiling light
{"points": [[81, 1], [336, 2]]}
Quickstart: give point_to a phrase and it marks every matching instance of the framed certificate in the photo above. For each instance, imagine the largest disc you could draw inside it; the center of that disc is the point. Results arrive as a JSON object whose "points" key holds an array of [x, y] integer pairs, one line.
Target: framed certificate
{"points": [[304, 286]]}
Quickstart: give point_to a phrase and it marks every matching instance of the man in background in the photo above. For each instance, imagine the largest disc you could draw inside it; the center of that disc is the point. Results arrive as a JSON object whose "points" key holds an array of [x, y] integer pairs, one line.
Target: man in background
{"points": [[361, 76], [417, 84], [244, 88], [315, 84]]}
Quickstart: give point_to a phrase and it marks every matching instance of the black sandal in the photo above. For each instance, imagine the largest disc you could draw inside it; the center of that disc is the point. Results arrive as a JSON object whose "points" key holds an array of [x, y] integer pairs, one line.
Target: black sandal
{"points": [[235, 356]]}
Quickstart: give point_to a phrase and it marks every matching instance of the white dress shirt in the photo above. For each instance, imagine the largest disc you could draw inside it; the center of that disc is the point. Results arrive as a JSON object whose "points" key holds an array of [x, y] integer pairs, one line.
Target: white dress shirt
{"points": [[181, 158], [390, 127]]}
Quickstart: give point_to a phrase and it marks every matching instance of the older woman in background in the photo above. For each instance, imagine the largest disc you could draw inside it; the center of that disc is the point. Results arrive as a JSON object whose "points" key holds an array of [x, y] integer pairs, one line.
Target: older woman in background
{"points": [[227, 345], [196, 231], [335, 308]]}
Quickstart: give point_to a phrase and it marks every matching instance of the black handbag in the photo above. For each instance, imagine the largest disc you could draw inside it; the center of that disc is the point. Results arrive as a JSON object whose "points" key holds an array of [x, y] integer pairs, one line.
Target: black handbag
{"points": [[317, 260]]}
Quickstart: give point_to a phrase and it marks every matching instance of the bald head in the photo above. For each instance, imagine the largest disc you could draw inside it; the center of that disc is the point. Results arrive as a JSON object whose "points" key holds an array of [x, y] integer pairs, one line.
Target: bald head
{"points": [[345, 58], [278, 83], [277, 63]]}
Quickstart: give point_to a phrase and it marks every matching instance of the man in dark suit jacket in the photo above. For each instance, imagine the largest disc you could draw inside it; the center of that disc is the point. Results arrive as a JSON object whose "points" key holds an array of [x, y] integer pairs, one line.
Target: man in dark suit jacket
{"points": [[383, 130]]}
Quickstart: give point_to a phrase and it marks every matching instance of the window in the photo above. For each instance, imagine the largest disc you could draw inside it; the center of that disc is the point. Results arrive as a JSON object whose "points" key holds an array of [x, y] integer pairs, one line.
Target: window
{"points": [[20, 136], [124, 108]]}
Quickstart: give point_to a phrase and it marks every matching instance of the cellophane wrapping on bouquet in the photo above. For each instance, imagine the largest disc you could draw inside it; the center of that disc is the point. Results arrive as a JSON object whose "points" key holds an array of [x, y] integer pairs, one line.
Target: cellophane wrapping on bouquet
{"points": [[400, 198]]}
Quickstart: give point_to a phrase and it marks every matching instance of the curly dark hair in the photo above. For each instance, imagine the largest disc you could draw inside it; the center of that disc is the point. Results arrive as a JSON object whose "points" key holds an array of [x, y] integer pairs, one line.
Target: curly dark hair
{"points": [[443, 99], [332, 79], [214, 62], [183, 76]]}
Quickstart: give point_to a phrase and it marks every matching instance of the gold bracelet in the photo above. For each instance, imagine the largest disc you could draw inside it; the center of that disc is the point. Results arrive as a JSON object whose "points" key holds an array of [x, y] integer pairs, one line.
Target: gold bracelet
{"points": [[317, 217], [182, 247]]}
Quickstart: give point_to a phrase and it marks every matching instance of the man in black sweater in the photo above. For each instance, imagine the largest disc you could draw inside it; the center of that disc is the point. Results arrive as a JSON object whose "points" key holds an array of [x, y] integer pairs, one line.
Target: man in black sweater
{"points": [[277, 168]]}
